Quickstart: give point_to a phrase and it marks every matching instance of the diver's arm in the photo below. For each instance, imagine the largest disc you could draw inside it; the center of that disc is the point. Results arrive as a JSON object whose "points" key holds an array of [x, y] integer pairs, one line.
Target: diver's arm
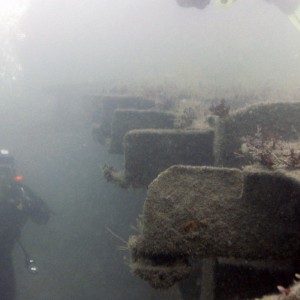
{"points": [[37, 209]]}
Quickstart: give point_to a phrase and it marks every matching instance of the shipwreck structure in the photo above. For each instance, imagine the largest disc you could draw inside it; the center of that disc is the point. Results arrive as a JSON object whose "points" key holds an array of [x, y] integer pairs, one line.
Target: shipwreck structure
{"points": [[209, 212], [203, 203]]}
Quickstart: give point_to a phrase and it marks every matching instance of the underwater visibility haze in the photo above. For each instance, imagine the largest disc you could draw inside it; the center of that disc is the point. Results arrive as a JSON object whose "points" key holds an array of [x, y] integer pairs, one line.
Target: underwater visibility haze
{"points": [[59, 58]]}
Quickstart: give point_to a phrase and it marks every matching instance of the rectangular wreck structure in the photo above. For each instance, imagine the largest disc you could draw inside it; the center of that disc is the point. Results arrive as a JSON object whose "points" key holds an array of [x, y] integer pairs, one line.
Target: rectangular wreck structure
{"points": [[215, 212], [275, 120], [125, 120], [148, 152], [108, 104]]}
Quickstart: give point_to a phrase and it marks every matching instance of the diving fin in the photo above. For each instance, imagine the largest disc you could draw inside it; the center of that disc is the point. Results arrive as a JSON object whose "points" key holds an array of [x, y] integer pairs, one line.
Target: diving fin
{"points": [[295, 18], [225, 3]]}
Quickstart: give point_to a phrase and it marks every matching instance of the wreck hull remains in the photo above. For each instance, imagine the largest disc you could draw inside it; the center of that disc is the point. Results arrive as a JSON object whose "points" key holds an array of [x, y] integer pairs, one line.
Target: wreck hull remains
{"points": [[205, 212]]}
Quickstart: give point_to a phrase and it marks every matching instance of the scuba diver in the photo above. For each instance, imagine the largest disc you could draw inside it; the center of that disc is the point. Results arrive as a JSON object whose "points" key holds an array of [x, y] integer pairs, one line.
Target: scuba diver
{"points": [[289, 7], [17, 204]]}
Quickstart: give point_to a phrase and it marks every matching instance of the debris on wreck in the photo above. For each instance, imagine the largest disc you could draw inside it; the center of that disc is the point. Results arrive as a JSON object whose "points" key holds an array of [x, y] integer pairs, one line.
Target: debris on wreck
{"points": [[221, 110], [187, 118], [115, 176]]}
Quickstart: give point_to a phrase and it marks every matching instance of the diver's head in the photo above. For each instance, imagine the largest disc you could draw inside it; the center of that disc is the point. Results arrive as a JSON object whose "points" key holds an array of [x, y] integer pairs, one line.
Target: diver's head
{"points": [[7, 173], [7, 165]]}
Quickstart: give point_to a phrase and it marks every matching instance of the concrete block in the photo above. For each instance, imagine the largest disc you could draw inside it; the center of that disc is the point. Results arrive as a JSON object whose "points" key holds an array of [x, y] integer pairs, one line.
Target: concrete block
{"points": [[150, 151], [203, 212], [108, 104], [125, 120], [278, 119]]}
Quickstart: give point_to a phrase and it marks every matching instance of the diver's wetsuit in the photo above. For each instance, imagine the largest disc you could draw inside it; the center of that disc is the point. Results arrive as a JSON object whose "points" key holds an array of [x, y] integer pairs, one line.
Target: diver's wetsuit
{"points": [[17, 204]]}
